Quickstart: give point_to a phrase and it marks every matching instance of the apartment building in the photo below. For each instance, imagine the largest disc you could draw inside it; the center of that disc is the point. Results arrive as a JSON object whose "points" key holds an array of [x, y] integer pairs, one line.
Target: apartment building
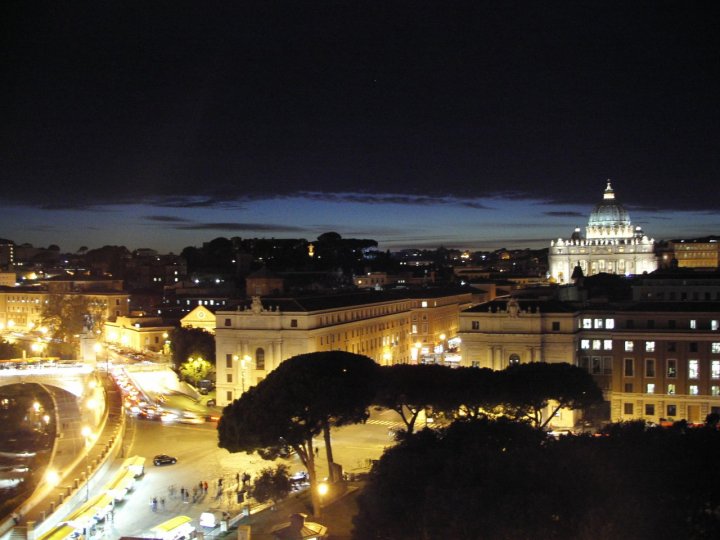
{"points": [[390, 327]]}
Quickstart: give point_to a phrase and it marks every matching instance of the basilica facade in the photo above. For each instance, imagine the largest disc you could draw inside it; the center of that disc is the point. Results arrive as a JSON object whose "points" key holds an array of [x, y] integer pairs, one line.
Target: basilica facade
{"points": [[611, 244]]}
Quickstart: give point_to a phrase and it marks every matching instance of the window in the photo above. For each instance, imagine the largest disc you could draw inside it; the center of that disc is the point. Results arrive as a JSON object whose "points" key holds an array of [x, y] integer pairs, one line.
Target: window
{"points": [[607, 344], [715, 369], [629, 370], [627, 408], [596, 365], [476, 325], [693, 346], [693, 324], [628, 346], [671, 346], [228, 395], [651, 324], [259, 358], [694, 390], [587, 323], [598, 323], [714, 325], [649, 346], [229, 377], [607, 365], [671, 389], [596, 343], [585, 363], [628, 387], [672, 410], [715, 347], [671, 368], [649, 409], [228, 322], [585, 344], [609, 324], [650, 367], [715, 390], [228, 361], [671, 324], [693, 369], [629, 323], [650, 388], [293, 323], [556, 326]]}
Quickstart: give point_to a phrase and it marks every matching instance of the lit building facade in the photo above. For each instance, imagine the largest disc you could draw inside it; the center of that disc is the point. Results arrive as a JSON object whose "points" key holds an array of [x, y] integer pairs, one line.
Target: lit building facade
{"points": [[610, 244], [389, 327], [699, 253], [655, 361]]}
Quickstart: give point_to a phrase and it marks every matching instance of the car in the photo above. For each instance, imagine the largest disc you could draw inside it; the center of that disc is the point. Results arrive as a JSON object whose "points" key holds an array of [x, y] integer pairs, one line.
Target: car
{"points": [[162, 459]]}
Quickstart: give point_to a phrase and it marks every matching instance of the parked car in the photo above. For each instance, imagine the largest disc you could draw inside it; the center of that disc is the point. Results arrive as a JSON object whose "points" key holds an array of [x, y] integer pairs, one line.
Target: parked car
{"points": [[162, 459]]}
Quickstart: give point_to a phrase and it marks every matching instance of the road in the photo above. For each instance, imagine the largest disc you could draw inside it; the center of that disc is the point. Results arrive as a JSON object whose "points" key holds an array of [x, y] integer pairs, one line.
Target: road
{"points": [[199, 459]]}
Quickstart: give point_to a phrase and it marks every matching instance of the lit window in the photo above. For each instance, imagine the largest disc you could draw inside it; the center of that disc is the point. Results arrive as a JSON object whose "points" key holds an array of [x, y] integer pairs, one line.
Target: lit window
{"points": [[629, 346], [671, 389], [715, 390], [672, 368], [715, 347], [649, 346], [650, 388], [715, 369], [598, 323], [596, 344], [672, 410], [587, 323], [693, 324], [424, 303], [714, 325], [607, 344], [693, 369], [476, 325], [584, 344], [694, 390], [609, 324]]}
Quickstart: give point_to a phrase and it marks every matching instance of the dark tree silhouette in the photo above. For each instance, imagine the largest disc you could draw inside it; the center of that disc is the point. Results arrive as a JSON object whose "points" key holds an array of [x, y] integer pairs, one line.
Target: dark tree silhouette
{"points": [[304, 397]]}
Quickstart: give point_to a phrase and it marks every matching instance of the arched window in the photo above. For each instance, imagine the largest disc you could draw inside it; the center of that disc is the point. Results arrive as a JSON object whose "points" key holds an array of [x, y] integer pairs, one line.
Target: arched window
{"points": [[259, 358], [514, 359]]}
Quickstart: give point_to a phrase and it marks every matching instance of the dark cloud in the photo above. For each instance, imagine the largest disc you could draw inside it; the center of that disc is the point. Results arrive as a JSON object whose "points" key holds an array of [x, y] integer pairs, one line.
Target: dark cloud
{"points": [[166, 219], [240, 227], [213, 106], [568, 213]]}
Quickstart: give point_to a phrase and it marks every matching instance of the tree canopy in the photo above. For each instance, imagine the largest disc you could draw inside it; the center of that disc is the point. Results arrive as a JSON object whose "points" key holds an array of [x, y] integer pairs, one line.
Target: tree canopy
{"points": [[188, 343], [505, 479], [302, 398]]}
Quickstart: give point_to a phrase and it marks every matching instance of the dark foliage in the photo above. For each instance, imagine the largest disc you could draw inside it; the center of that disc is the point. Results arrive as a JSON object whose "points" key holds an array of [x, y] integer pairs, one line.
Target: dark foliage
{"points": [[505, 480]]}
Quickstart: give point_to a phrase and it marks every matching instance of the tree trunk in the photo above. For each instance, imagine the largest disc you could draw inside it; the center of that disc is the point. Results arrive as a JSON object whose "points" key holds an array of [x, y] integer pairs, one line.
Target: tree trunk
{"points": [[312, 474], [328, 452]]}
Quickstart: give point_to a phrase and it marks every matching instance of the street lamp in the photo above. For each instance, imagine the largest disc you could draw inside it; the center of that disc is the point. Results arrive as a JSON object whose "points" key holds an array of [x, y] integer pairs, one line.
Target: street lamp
{"points": [[86, 432], [322, 489]]}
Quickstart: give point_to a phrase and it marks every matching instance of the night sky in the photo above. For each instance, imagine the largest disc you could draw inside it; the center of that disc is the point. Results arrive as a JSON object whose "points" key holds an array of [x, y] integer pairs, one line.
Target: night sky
{"points": [[463, 124]]}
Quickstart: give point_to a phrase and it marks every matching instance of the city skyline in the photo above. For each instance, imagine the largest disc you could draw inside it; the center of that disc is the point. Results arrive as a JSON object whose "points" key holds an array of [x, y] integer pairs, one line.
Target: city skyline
{"points": [[470, 126]]}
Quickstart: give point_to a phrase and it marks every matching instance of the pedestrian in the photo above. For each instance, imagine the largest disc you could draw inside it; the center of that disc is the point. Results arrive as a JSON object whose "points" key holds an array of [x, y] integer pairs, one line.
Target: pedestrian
{"points": [[317, 451], [195, 492], [219, 482], [200, 486], [237, 478], [154, 504], [162, 503], [205, 487], [245, 478]]}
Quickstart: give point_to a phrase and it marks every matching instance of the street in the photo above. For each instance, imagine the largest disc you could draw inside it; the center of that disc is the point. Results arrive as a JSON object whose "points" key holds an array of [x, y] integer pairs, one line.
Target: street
{"points": [[199, 459]]}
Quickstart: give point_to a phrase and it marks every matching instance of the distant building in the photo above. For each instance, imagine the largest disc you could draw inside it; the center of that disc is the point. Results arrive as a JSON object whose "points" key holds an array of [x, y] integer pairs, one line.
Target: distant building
{"points": [[698, 253], [200, 317], [390, 327], [654, 360], [138, 333], [610, 245]]}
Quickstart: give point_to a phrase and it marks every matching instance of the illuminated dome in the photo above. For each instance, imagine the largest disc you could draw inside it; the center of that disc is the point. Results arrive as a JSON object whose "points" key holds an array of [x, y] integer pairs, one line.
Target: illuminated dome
{"points": [[609, 213]]}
